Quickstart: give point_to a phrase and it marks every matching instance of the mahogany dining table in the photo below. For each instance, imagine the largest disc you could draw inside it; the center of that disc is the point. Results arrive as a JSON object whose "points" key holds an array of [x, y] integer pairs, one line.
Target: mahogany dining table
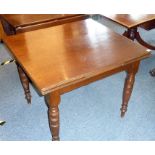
{"points": [[62, 58]]}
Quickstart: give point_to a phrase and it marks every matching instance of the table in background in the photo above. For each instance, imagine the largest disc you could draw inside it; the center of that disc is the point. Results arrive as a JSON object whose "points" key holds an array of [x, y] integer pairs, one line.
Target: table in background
{"points": [[132, 22], [16, 23]]}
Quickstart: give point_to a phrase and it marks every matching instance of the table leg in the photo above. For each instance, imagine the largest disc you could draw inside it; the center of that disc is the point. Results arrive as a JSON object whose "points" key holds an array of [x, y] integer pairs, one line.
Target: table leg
{"points": [[128, 86], [130, 33], [134, 34], [25, 83], [53, 101], [1, 32]]}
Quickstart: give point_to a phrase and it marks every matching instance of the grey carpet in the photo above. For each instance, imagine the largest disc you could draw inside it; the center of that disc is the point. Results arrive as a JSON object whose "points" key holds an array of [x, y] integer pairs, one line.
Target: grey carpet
{"points": [[91, 112]]}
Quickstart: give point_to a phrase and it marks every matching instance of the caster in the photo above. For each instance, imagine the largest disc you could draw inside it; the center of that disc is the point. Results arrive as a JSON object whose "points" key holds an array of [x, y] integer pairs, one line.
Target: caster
{"points": [[152, 72], [2, 123]]}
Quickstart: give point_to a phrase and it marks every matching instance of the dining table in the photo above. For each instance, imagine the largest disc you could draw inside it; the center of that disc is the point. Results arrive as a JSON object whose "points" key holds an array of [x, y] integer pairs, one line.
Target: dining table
{"points": [[59, 59]]}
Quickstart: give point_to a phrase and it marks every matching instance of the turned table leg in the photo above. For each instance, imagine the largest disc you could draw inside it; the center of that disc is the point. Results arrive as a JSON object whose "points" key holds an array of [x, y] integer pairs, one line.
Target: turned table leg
{"points": [[128, 86], [133, 34], [25, 83], [53, 101]]}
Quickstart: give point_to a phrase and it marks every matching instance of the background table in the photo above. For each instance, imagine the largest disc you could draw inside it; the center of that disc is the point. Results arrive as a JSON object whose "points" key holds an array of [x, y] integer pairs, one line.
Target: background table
{"points": [[16, 23], [132, 22]]}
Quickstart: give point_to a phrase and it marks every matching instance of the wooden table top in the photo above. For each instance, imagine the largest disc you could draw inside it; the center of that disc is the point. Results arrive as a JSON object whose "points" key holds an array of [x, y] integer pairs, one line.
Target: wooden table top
{"points": [[130, 20], [17, 20], [59, 56]]}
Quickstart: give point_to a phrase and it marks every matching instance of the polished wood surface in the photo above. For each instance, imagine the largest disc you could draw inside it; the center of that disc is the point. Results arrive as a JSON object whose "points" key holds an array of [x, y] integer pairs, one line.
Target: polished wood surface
{"points": [[27, 19], [130, 20], [72, 52], [15, 23], [72, 55]]}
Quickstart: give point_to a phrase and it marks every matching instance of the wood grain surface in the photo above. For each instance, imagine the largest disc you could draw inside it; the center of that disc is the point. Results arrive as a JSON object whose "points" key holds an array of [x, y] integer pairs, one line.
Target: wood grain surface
{"points": [[59, 56]]}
